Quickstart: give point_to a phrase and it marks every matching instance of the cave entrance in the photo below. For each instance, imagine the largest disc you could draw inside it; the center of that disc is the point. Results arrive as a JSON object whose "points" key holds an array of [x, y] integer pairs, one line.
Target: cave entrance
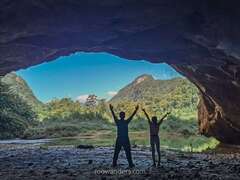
{"points": [[70, 98]]}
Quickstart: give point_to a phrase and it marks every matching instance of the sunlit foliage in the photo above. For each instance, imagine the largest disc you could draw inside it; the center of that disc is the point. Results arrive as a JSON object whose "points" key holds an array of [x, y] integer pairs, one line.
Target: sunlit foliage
{"points": [[15, 114]]}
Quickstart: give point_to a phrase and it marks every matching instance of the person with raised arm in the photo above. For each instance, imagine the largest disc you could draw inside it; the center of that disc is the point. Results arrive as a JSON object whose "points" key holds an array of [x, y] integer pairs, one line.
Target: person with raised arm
{"points": [[122, 139], [154, 135]]}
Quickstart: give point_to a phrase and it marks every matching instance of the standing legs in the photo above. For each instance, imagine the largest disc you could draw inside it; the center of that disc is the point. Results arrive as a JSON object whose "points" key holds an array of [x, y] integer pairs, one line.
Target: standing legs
{"points": [[117, 150], [154, 140], [158, 150], [153, 154], [127, 149], [153, 150]]}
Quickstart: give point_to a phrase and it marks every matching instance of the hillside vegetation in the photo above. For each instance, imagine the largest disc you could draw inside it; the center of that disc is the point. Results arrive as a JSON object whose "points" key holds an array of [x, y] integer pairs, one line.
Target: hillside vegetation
{"points": [[176, 95], [16, 115], [24, 116], [19, 87], [65, 117]]}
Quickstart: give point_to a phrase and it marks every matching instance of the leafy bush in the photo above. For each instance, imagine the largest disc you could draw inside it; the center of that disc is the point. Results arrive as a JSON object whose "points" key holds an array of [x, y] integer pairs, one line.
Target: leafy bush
{"points": [[15, 114], [178, 125], [65, 117], [52, 131]]}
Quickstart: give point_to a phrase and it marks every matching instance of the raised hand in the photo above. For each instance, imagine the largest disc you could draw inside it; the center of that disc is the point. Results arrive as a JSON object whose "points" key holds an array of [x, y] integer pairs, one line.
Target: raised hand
{"points": [[113, 114], [111, 106], [133, 114], [137, 107], [146, 114], [161, 120]]}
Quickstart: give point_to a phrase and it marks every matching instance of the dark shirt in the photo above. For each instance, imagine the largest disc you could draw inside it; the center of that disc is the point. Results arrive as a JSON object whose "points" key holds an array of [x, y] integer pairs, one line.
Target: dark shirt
{"points": [[122, 128], [154, 129]]}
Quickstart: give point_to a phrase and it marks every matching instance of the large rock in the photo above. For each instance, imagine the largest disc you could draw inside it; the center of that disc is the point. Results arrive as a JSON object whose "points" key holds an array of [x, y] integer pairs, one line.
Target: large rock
{"points": [[200, 39], [218, 109]]}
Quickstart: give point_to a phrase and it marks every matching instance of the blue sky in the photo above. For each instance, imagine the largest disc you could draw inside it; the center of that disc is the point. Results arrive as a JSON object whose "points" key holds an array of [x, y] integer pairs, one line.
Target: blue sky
{"points": [[80, 74]]}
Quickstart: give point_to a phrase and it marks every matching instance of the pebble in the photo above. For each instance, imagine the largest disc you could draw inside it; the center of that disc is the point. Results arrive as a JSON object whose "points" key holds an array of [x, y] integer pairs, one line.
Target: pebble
{"points": [[72, 163]]}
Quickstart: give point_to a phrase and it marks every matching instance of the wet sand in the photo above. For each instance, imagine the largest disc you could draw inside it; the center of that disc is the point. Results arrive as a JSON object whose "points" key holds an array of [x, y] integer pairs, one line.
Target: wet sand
{"points": [[33, 162]]}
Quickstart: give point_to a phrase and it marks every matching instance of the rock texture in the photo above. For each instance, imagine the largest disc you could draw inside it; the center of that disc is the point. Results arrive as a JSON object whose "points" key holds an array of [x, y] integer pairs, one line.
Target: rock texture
{"points": [[68, 163], [200, 39], [218, 109]]}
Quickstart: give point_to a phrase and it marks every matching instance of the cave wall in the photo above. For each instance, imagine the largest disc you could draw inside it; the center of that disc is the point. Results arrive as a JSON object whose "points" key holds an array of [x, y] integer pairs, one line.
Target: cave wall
{"points": [[218, 109], [200, 39]]}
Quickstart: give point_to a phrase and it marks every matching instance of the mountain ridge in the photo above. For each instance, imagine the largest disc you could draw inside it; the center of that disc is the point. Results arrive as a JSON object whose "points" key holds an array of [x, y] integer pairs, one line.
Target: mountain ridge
{"points": [[176, 93], [20, 87]]}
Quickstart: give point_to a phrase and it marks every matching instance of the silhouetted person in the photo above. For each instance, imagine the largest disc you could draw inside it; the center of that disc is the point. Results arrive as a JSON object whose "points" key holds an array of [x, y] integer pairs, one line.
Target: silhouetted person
{"points": [[154, 137], [122, 136]]}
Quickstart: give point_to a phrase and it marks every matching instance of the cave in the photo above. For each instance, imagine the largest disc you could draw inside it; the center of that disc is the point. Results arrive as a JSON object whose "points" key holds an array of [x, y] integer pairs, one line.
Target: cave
{"points": [[200, 39]]}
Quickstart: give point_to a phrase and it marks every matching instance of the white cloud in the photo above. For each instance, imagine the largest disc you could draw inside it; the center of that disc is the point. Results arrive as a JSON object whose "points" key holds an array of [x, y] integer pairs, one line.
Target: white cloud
{"points": [[82, 98], [112, 93]]}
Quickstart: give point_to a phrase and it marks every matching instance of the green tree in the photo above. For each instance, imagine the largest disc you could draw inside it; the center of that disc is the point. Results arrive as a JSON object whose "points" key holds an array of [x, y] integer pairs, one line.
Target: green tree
{"points": [[15, 114]]}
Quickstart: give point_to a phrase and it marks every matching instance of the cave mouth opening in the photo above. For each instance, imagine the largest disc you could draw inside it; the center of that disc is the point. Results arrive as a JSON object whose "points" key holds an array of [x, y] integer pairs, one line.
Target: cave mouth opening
{"points": [[70, 98]]}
